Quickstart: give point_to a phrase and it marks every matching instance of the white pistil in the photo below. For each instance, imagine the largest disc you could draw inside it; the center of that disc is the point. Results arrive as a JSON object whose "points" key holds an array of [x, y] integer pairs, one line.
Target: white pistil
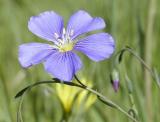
{"points": [[54, 46], [63, 43], [56, 35], [64, 31], [71, 32]]}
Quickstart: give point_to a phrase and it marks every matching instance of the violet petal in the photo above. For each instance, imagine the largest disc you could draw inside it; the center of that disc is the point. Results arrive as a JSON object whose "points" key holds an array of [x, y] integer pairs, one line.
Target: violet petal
{"points": [[63, 65], [97, 46]]}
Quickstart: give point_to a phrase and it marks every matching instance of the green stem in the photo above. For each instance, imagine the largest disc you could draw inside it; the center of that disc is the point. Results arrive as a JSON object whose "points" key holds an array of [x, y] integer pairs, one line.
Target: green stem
{"points": [[109, 102], [19, 114], [105, 100], [79, 81], [148, 57], [141, 61]]}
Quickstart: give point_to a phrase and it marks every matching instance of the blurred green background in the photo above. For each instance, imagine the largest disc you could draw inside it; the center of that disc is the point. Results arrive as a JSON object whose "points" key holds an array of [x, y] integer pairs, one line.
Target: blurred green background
{"points": [[135, 23]]}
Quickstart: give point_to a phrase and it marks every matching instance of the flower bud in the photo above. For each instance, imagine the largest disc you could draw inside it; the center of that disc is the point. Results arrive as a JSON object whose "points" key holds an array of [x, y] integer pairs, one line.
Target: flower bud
{"points": [[115, 79]]}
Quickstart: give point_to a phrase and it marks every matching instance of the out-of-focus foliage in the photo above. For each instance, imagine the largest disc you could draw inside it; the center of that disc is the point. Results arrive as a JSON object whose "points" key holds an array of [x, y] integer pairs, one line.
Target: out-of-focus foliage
{"points": [[126, 20]]}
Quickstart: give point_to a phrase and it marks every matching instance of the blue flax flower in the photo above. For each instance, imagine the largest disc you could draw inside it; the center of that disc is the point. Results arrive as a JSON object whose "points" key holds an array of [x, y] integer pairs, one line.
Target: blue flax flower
{"points": [[59, 58]]}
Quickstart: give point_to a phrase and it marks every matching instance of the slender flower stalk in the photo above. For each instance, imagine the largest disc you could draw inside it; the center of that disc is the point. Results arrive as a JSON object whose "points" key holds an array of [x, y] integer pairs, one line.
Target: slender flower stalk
{"points": [[110, 103], [133, 110], [84, 96], [152, 73], [71, 97], [99, 95]]}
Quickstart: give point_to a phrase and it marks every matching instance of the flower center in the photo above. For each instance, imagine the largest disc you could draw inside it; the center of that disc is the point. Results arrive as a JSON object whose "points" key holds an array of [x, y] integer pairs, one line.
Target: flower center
{"points": [[64, 43], [66, 47]]}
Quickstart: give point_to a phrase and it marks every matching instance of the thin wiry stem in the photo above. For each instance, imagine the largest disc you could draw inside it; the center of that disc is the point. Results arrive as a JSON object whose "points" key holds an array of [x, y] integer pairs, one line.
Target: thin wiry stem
{"points": [[22, 92], [106, 101], [109, 102], [79, 81], [19, 114], [141, 61]]}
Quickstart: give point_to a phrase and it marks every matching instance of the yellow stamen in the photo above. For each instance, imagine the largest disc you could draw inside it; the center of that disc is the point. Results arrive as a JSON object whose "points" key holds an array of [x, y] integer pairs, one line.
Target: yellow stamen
{"points": [[66, 47]]}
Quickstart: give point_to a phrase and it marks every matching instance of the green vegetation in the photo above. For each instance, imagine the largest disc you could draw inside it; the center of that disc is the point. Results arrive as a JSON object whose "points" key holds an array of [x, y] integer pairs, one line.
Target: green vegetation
{"points": [[135, 23]]}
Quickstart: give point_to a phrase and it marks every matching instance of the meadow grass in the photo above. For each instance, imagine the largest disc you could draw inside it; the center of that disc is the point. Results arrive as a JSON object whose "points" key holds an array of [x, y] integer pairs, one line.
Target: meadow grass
{"points": [[126, 20]]}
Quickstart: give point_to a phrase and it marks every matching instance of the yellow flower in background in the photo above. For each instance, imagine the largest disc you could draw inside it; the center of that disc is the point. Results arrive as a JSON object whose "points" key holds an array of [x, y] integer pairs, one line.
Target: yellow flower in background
{"points": [[66, 95], [70, 96], [84, 96]]}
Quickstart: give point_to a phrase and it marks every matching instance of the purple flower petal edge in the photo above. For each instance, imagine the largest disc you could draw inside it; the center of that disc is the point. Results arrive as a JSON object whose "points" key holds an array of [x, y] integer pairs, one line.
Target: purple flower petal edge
{"points": [[46, 24], [81, 22], [34, 53], [97, 46], [63, 65]]}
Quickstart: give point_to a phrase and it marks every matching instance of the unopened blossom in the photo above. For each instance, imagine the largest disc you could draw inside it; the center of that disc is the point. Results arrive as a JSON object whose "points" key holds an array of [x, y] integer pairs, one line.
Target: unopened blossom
{"points": [[59, 57], [115, 79]]}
